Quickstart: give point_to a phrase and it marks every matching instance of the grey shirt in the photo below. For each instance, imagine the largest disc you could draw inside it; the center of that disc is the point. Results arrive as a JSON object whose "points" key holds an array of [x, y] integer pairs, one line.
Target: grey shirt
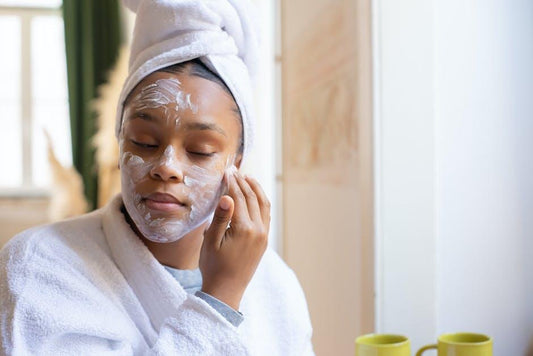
{"points": [[191, 281]]}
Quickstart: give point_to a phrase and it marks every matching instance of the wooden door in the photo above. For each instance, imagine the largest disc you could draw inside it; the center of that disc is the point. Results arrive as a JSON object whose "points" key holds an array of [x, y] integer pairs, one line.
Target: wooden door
{"points": [[327, 165]]}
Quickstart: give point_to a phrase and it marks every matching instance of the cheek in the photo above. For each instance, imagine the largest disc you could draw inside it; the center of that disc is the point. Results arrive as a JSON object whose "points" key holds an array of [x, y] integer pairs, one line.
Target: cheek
{"points": [[201, 179], [133, 168], [206, 183]]}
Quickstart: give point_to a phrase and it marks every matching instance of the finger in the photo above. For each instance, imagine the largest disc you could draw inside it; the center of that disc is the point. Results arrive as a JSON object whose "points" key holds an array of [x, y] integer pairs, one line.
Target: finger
{"points": [[251, 199], [262, 199], [240, 214], [225, 182], [223, 215]]}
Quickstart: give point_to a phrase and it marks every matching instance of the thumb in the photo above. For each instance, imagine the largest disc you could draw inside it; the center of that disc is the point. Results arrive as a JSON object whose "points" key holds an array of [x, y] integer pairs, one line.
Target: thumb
{"points": [[222, 217]]}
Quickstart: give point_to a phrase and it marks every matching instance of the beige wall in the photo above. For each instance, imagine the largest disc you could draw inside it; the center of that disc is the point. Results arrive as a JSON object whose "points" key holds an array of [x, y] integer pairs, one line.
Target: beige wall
{"points": [[327, 165], [18, 214]]}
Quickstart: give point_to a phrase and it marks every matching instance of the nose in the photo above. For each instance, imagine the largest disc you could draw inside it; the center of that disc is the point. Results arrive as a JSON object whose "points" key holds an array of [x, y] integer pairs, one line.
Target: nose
{"points": [[167, 169], [165, 173]]}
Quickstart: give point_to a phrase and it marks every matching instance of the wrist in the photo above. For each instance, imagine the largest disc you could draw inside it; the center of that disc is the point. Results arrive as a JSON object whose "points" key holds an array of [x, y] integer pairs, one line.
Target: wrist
{"points": [[227, 296]]}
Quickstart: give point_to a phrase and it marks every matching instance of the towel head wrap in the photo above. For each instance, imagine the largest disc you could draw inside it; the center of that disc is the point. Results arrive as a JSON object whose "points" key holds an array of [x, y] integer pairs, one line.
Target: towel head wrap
{"points": [[221, 33]]}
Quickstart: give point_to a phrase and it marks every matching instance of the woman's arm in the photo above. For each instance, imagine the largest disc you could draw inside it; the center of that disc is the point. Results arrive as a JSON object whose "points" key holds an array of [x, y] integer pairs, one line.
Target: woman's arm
{"points": [[196, 330]]}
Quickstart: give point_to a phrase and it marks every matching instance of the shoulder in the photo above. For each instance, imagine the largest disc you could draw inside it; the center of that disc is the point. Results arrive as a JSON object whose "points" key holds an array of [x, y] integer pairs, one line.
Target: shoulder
{"points": [[58, 264], [274, 270], [54, 238], [278, 284], [66, 248], [274, 305], [60, 279]]}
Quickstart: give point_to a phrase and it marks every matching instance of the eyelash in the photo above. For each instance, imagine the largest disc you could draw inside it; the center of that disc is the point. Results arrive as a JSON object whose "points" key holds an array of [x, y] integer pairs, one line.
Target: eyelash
{"points": [[144, 145], [203, 154]]}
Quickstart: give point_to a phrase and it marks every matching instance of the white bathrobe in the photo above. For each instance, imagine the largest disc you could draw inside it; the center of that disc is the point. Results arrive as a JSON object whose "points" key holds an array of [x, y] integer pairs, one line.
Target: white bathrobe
{"points": [[89, 286]]}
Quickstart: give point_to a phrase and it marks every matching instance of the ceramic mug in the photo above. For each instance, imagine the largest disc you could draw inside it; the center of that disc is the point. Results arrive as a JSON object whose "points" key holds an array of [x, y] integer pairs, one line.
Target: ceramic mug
{"points": [[382, 345], [461, 344]]}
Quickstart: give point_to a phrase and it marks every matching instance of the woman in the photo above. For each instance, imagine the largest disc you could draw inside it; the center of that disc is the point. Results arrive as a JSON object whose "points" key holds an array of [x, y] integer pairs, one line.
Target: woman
{"points": [[177, 264]]}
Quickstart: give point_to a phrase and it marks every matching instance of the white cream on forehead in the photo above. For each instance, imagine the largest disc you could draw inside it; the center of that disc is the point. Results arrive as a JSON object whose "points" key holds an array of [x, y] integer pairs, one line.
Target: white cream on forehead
{"points": [[165, 93]]}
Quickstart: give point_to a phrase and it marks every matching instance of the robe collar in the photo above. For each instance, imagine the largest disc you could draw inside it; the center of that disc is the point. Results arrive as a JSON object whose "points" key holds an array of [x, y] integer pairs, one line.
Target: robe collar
{"points": [[158, 292]]}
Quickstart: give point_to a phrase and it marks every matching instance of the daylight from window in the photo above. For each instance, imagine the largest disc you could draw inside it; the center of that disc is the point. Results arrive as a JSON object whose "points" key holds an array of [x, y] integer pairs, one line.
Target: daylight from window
{"points": [[33, 96]]}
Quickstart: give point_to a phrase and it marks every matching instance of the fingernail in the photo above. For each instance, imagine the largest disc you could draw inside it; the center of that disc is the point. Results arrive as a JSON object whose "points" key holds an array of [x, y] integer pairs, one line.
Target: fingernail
{"points": [[232, 169], [224, 204]]}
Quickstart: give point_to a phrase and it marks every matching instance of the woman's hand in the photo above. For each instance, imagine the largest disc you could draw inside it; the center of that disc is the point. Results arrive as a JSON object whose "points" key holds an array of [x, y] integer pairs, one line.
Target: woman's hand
{"points": [[229, 256]]}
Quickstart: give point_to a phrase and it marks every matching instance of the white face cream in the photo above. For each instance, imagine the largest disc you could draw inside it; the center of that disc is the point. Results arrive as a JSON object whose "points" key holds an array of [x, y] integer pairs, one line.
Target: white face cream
{"points": [[201, 187], [197, 189]]}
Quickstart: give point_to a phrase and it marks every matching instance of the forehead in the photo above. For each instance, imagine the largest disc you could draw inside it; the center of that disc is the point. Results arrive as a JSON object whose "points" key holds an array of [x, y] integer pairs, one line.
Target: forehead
{"points": [[175, 100], [191, 92]]}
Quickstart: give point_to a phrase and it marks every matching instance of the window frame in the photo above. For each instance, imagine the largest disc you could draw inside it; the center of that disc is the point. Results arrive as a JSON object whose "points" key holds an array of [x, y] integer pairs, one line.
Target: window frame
{"points": [[26, 14]]}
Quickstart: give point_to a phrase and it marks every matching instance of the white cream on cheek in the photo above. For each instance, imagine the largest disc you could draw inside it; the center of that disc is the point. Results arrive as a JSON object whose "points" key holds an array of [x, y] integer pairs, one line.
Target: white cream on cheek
{"points": [[202, 185]]}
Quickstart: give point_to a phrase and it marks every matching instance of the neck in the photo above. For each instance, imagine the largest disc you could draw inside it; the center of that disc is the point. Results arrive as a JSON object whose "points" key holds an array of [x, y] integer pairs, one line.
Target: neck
{"points": [[181, 254]]}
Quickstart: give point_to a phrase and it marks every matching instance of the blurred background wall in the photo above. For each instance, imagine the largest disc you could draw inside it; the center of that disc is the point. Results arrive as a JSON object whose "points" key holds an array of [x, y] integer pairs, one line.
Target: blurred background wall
{"points": [[453, 122]]}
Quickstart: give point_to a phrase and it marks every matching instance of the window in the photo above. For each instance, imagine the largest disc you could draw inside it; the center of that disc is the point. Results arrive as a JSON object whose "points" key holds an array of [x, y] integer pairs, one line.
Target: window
{"points": [[33, 93]]}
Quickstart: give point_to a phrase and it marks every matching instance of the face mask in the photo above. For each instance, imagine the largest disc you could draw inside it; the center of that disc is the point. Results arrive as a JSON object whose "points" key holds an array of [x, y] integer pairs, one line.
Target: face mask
{"points": [[202, 187], [200, 190]]}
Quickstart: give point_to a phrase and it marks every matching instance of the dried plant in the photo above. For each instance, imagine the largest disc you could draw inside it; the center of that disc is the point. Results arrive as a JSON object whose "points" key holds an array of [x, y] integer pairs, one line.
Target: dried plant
{"points": [[104, 141], [67, 198]]}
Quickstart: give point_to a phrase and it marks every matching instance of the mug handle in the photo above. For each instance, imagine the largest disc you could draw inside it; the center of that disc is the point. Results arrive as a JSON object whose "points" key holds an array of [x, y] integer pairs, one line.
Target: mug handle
{"points": [[424, 348]]}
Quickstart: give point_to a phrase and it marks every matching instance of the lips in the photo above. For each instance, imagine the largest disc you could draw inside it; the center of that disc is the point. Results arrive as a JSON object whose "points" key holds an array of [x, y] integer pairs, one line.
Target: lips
{"points": [[163, 202]]}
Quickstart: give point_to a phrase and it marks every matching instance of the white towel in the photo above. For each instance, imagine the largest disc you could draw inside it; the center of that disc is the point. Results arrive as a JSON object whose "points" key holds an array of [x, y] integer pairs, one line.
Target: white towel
{"points": [[89, 286], [221, 33]]}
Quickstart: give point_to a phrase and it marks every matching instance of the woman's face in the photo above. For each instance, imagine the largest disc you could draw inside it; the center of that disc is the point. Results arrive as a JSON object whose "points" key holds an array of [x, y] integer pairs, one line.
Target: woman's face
{"points": [[180, 134]]}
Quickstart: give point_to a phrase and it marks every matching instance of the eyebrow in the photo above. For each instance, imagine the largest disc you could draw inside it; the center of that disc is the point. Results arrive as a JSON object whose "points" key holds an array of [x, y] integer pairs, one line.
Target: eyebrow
{"points": [[201, 126], [142, 116], [205, 126]]}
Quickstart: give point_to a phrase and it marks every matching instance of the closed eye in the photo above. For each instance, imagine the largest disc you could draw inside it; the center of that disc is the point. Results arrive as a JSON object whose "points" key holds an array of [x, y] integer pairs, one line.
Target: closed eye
{"points": [[203, 154], [143, 145]]}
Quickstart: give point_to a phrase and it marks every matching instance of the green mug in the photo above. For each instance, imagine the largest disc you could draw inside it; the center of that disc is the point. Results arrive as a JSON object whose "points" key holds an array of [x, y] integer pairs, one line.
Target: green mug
{"points": [[382, 345], [461, 344]]}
